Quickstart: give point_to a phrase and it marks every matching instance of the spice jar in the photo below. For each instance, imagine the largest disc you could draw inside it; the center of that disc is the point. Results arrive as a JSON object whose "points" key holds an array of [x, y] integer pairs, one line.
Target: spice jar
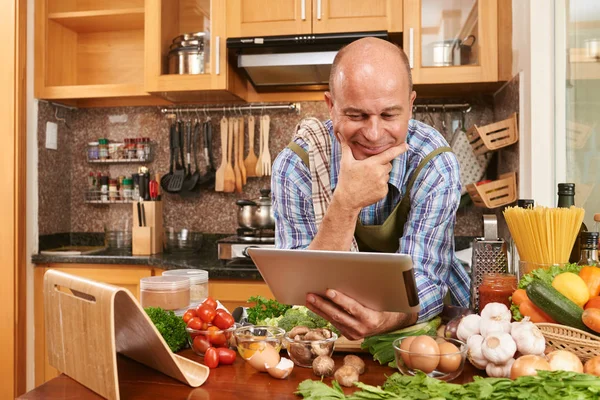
{"points": [[93, 151], [135, 194], [127, 189], [166, 292], [147, 148], [141, 152], [131, 150], [113, 192], [103, 149], [496, 288], [104, 189], [198, 282]]}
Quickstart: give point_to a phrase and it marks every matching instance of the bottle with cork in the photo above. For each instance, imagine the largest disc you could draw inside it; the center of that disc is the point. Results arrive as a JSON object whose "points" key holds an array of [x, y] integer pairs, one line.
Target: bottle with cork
{"points": [[566, 199]]}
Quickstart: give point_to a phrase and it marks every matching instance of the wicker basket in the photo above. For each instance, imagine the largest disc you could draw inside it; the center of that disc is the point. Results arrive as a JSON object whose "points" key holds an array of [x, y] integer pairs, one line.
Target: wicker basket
{"points": [[496, 193], [493, 136], [561, 337]]}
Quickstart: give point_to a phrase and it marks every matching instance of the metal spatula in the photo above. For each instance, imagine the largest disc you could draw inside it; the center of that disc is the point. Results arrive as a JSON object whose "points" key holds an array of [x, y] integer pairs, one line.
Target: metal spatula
{"points": [[176, 181]]}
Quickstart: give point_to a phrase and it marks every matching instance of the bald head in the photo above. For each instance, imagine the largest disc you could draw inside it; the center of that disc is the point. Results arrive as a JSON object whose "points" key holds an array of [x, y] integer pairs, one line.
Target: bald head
{"points": [[369, 55]]}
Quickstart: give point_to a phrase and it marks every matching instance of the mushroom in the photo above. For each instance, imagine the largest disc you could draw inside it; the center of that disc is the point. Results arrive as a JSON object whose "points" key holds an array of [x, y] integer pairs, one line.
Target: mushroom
{"points": [[300, 353], [298, 330], [325, 332], [323, 366], [356, 362], [346, 375], [321, 349], [314, 335]]}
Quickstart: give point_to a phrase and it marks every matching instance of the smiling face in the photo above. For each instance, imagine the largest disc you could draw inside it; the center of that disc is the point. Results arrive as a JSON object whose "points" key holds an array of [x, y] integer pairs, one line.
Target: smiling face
{"points": [[370, 102]]}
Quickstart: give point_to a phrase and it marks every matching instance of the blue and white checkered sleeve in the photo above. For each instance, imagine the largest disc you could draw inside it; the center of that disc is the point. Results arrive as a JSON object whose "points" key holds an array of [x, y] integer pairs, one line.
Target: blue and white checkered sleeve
{"points": [[429, 232], [292, 202]]}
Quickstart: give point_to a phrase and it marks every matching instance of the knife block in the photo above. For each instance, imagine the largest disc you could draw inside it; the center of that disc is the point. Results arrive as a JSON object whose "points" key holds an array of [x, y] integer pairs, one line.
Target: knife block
{"points": [[147, 240]]}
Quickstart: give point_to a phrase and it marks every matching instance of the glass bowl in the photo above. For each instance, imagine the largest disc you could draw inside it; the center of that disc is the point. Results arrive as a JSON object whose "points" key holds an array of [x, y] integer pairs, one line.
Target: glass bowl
{"points": [[252, 339], [303, 352], [200, 340], [444, 367]]}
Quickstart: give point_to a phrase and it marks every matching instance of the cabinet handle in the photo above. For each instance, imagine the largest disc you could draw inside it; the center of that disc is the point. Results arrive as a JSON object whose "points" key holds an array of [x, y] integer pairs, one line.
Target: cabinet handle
{"points": [[218, 55], [303, 8], [319, 10], [411, 47]]}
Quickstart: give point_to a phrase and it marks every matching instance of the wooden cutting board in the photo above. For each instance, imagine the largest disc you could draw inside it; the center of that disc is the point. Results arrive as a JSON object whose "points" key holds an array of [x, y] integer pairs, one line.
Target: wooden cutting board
{"points": [[88, 322], [344, 345]]}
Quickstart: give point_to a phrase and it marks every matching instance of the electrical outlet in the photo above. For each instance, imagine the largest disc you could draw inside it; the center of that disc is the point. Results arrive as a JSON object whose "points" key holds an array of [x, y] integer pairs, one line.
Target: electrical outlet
{"points": [[51, 136]]}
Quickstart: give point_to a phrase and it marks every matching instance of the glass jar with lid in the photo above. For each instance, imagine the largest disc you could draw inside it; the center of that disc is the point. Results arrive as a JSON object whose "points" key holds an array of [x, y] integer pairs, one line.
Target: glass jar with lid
{"points": [[198, 282], [496, 288], [166, 292]]}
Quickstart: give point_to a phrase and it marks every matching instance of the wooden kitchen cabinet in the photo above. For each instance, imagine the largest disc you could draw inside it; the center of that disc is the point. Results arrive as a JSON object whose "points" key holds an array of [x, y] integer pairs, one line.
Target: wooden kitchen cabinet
{"points": [[297, 17], [235, 293], [167, 19], [458, 42], [90, 49], [126, 276]]}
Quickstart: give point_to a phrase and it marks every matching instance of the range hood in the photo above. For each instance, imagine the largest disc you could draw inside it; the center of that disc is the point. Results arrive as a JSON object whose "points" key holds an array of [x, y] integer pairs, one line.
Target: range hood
{"points": [[291, 62]]}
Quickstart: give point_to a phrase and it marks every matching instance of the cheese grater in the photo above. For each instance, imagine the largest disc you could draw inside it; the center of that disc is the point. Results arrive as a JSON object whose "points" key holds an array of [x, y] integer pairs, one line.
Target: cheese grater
{"points": [[489, 257]]}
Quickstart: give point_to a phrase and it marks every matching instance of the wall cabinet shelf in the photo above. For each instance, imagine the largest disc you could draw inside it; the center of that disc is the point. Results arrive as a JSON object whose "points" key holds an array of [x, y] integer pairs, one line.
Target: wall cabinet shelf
{"points": [[100, 21]]}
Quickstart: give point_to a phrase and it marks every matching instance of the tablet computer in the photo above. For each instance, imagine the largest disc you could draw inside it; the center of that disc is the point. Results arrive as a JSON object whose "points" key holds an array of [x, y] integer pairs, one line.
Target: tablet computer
{"points": [[380, 281]]}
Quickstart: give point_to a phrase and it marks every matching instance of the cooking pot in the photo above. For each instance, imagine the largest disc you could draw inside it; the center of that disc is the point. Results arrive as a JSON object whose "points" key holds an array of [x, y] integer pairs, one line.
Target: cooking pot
{"points": [[256, 214], [444, 52]]}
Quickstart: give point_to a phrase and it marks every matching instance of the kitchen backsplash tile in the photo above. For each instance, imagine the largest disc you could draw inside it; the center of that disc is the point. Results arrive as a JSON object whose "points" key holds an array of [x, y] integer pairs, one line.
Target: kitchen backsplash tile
{"points": [[212, 212]]}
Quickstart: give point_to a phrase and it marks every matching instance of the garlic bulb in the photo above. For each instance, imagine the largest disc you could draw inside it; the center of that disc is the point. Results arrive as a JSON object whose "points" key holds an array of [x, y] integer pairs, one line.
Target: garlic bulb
{"points": [[496, 312], [494, 326], [499, 371], [474, 352], [498, 348], [468, 327], [529, 338]]}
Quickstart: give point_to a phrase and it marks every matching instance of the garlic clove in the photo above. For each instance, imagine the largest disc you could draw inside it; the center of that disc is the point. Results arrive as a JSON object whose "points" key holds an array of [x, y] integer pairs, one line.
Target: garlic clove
{"points": [[496, 312], [498, 348], [468, 326]]}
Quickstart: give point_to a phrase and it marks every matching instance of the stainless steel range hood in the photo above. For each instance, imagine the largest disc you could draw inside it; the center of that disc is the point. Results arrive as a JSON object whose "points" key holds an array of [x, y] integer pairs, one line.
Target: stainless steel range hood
{"points": [[276, 63]]}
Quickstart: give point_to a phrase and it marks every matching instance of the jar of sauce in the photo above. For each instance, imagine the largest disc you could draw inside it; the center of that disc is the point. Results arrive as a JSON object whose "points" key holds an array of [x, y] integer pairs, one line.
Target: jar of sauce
{"points": [[496, 288]]}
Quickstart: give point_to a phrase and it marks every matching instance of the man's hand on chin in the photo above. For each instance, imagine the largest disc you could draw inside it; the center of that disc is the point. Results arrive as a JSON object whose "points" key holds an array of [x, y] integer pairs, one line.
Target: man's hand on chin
{"points": [[353, 320]]}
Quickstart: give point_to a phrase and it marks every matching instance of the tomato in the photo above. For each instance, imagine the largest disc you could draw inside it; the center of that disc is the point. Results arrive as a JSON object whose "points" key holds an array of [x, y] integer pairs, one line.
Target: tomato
{"points": [[200, 343], [223, 320], [211, 358], [205, 326], [216, 338], [189, 314], [195, 323], [206, 314], [226, 356], [210, 302]]}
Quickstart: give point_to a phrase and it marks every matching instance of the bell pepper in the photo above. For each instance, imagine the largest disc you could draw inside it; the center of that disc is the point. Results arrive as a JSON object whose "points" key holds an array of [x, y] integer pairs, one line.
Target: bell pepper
{"points": [[591, 277], [572, 287]]}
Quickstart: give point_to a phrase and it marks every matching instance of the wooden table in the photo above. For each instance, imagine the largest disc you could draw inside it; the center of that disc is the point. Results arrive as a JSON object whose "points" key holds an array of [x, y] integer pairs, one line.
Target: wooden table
{"points": [[237, 381]]}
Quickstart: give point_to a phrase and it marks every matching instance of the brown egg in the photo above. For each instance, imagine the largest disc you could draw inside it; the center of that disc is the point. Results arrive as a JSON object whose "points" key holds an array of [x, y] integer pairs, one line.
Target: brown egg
{"points": [[425, 354], [450, 357], [282, 370], [405, 345], [264, 357]]}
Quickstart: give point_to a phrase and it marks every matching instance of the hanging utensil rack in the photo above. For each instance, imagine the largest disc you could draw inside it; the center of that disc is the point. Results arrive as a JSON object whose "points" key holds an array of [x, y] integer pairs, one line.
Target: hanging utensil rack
{"points": [[465, 107], [295, 107]]}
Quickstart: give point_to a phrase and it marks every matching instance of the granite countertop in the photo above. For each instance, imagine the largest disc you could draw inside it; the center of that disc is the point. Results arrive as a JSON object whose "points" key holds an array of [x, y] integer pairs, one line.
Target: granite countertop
{"points": [[206, 258]]}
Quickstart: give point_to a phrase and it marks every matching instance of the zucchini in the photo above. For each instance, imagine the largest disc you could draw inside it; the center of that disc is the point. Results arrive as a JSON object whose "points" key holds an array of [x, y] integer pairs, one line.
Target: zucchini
{"points": [[556, 305]]}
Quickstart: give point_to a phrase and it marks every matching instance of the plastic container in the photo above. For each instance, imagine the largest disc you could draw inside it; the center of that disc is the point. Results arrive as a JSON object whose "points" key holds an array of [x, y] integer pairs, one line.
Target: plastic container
{"points": [[198, 282], [166, 292]]}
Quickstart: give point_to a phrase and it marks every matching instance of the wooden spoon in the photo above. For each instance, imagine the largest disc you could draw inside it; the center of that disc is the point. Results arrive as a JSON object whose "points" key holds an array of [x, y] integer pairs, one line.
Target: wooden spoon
{"points": [[259, 167], [229, 186], [250, 161], [220, 174], [236, 156], [241, 152]]}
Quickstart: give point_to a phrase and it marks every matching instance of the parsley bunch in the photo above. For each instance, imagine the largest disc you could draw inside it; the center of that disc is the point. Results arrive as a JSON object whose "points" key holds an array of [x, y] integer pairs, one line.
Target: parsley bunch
{"points": [[265, 308], [170, 326]]}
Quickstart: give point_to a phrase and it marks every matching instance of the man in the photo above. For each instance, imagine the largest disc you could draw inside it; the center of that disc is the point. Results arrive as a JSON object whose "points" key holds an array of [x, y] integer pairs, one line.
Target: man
{"points": [[337, 183]]}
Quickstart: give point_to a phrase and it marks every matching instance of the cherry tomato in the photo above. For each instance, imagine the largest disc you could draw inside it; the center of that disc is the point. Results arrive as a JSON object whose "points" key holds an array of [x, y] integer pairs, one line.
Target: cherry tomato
{"points": [[211, 358], [189, 314], [223, 320], [206, 314], [226, 356], [215, 337], [195, 323], [210, 302], [200, 343], [205, 326]]}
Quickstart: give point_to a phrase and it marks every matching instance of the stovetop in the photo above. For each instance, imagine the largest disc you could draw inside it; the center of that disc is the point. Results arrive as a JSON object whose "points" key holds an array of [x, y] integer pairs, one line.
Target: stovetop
{"points": [[245, 236]]}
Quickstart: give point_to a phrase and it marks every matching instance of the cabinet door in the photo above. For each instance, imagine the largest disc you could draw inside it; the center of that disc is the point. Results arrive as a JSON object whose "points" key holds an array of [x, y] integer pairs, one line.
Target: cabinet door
{"points": [[451, 41], [330, 16], [234, 294], [268, 17], [165, 21]]}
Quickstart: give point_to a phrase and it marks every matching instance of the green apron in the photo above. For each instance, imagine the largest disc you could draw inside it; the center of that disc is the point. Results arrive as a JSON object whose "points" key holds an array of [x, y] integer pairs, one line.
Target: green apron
{"points": [[384, 238]]}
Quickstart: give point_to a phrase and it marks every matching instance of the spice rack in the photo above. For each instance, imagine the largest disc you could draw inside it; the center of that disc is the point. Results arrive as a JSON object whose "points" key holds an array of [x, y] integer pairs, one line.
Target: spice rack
{"points": [[97, 197], [493, 136], [120, 153], [496, 193]]}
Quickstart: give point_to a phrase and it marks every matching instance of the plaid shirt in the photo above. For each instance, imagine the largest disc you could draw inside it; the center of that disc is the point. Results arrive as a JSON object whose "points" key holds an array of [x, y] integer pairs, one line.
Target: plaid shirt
{"points": [[429, 231]]}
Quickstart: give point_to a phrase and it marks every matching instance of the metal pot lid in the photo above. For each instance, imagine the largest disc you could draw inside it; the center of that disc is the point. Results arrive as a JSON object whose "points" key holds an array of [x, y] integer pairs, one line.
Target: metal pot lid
{"points": [[188, 43], [265, 197], [189, 36]]}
